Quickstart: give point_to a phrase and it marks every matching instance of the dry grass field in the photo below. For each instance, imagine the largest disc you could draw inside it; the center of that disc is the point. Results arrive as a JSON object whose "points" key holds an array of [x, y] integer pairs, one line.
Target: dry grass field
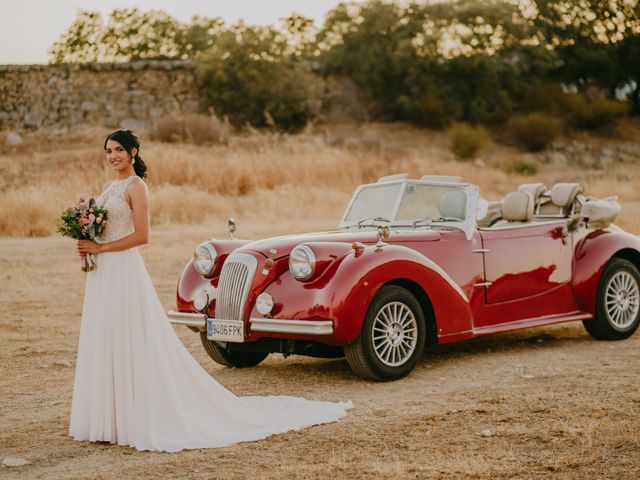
{"points": [[545, 403], [271, 177]]}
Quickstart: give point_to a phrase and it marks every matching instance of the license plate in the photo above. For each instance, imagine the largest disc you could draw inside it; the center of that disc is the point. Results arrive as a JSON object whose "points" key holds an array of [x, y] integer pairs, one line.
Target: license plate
{"points": [[225, 330]]}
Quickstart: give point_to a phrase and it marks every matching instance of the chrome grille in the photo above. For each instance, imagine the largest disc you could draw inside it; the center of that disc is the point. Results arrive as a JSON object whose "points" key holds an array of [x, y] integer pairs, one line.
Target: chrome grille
{"points": [[233, 289]]}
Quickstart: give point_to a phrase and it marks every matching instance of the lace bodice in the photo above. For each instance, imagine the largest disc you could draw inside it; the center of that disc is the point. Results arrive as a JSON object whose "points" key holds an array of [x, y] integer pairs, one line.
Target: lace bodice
{"points": [[119, 213]]}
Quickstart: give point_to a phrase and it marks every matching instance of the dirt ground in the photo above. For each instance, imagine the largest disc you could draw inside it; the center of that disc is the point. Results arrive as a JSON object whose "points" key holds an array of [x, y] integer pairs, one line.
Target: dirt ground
{"points": [[550, 402]]}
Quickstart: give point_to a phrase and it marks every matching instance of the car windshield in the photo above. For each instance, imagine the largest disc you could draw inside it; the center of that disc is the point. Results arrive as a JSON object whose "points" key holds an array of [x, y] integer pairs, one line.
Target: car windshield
{"points": [[419, 203], [374, 201]]}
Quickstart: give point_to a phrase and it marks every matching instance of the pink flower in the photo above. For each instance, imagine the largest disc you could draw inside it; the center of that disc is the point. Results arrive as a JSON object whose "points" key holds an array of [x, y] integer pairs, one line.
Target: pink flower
{"points": [[98, 220], [91, 210], [85, 221], [92, 217]]}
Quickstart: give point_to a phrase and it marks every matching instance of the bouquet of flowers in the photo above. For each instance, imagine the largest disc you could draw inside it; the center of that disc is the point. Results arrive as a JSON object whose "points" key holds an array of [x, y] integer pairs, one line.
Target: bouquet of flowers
{"points": [[83, 222]]}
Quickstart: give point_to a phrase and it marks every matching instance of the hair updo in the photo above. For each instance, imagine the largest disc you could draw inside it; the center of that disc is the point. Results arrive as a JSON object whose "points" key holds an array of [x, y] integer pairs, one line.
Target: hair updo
{"points": [[129, 141]]}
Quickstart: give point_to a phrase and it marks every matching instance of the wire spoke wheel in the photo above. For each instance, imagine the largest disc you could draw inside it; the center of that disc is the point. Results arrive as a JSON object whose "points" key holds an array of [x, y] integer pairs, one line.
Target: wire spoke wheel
{"points": [[617, 314], [394, 334], [622, 299]]}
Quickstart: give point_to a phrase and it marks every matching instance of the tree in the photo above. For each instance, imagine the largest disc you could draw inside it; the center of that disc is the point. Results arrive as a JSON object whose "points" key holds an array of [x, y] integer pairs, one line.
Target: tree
{"points": [[82, 42], [131, 34], [250, 75], [596, 41]]}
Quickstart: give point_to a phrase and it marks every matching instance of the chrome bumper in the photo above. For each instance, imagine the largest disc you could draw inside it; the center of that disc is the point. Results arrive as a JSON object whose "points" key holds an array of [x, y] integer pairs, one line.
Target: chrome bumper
{"points": [[306, 327], [197, 320]]}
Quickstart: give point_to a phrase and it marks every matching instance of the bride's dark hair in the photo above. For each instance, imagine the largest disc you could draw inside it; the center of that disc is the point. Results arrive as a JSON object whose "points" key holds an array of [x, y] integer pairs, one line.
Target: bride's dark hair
{"points": [[129, 141]]}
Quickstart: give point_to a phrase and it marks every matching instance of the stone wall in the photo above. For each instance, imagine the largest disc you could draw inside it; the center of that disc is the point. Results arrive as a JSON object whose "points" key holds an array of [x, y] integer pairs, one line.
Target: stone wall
{"points": [[129, 95]]}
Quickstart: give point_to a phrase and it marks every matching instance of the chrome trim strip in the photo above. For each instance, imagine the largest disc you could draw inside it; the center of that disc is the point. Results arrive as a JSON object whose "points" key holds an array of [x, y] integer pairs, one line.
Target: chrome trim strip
{"points": [[197, 320], [480, 250], [308, 327], [483, 284]]}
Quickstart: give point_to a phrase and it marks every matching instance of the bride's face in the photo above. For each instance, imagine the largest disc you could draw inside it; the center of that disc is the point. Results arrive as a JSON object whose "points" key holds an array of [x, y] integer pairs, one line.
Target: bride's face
{"points": [[117, 156]]}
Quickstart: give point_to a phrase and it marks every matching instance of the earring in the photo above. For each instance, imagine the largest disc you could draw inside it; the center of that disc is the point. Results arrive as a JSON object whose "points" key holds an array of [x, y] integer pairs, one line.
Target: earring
{"points": [[133, 160]]}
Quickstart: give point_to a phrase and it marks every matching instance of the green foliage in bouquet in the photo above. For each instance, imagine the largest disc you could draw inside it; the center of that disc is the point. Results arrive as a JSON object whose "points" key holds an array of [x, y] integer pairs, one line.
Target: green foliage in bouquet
{"points": [[83, 222]]}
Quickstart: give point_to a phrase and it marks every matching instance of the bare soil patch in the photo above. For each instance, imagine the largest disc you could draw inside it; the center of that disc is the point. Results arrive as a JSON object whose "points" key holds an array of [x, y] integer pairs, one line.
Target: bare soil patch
{"points": [[551, 402]]}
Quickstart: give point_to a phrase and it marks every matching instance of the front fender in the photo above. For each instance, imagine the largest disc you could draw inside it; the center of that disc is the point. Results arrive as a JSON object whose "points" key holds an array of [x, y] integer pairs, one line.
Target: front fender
{"points": [[343, 294], [591, 255]]}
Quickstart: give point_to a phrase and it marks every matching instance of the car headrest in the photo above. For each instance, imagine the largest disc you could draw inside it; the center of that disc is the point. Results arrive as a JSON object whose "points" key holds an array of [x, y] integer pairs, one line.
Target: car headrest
{"points": [[453, 204], [517, 207], [564, 194], [535, 189]]}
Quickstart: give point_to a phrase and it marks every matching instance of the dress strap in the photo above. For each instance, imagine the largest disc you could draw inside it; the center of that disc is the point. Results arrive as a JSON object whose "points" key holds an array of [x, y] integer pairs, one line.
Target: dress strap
{"points": [[129, 181]]}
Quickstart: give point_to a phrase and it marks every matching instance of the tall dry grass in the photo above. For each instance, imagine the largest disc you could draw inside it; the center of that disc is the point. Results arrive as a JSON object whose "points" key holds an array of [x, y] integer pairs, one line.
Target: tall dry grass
{"points": [[266, 177]]}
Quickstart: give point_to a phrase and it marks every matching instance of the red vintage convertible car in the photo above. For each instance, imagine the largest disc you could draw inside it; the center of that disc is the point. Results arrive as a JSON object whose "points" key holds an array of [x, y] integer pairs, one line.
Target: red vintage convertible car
{"points": [[415, 262]]}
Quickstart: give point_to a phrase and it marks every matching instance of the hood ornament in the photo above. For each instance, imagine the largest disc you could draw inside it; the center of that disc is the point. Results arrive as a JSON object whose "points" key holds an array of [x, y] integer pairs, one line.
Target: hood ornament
{"points": [[231, 227], [383, 234]]}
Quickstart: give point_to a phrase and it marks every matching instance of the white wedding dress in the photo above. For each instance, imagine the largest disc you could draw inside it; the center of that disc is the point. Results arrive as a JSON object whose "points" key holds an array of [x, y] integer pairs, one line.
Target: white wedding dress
{"points": [[136, 384]]}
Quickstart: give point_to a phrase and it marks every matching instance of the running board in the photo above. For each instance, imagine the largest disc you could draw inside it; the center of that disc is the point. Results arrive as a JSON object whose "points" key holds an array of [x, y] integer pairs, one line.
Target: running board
{"points": [[530, 322]]}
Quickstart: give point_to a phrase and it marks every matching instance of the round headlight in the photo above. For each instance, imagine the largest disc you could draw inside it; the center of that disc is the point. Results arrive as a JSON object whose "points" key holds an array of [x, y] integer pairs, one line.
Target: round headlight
{"points": [[264, 303], [201, 300], [302, 262], [204, 258]]}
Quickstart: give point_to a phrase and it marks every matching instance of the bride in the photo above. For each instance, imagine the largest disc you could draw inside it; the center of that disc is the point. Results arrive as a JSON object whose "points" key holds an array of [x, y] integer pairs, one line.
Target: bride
{"points": [[135, 383]]}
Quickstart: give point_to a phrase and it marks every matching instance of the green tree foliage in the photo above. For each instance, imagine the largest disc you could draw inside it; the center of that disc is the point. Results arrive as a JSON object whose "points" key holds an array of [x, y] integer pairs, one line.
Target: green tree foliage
{"points": [[82, 42], [463, 60], [130, 34], [433, 63], [250, 76], [597, 43]]}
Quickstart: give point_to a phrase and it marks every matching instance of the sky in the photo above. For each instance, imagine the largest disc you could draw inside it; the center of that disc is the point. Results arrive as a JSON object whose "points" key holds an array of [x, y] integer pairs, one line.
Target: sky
{"points": [[28, 28]]}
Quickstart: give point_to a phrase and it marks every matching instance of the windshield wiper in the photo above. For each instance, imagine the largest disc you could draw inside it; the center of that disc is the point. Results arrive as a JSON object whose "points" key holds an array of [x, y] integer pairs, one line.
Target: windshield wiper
{"points": [[426, 220], [360, 223], [431, 221]]}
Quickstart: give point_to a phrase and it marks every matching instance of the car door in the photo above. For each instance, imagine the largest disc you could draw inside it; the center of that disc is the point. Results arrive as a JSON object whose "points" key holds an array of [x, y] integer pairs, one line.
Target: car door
{"points": [[525, 262]]}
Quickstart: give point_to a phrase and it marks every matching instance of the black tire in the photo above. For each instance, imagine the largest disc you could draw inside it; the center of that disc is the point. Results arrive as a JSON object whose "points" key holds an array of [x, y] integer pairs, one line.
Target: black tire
{"points": [[617, 302], [231, 359], [367, 356]]}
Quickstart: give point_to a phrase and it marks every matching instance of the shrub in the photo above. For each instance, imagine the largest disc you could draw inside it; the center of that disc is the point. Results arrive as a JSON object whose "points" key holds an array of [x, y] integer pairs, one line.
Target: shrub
{"points": [[545, 97], [607, 112], [466, 140], [592, 115], [523, 166], [534, 131], [191, 128]]}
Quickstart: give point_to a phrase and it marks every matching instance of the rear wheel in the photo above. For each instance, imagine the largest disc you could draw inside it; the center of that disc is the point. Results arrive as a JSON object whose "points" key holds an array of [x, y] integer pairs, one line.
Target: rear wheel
{"points": [[231, 359], [617, 303], [392, 337]]}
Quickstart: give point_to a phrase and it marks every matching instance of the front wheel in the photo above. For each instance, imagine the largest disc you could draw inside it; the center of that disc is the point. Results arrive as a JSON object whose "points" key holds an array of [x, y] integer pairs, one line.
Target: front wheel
{"points": [[392, 337], [617, 303], [230, 359]]}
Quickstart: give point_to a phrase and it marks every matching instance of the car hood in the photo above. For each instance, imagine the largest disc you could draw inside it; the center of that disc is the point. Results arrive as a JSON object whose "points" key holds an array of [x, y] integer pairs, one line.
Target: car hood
{"points": [[283, 245]]}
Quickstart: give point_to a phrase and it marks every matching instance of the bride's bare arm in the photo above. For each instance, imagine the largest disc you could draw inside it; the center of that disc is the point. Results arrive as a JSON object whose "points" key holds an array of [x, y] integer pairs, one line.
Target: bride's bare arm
{"points": [[139, 198]]}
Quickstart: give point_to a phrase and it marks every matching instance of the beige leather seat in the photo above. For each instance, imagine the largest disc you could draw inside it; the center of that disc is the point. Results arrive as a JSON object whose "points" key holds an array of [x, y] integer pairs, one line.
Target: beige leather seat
{"points": [[537, 191], [492, 215], [517, 207], [563, 196], [453, 204]]}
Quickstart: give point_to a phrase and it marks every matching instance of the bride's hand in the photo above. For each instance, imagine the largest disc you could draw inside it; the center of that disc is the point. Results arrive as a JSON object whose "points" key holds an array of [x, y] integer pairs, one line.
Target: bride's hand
{"points": [[87, 246]]}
